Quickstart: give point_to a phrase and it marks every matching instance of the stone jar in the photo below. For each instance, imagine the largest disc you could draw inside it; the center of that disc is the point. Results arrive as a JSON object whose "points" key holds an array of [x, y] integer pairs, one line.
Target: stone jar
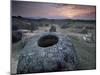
{"points": [[47, 52]]}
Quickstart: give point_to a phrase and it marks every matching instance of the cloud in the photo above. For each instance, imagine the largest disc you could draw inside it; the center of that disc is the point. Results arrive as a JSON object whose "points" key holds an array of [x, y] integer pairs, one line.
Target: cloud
{"points": [[29, 9]]}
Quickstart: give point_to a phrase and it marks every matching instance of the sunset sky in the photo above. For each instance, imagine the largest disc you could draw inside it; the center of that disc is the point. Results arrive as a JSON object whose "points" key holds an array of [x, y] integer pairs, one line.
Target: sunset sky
{"points": [[53, 10]]}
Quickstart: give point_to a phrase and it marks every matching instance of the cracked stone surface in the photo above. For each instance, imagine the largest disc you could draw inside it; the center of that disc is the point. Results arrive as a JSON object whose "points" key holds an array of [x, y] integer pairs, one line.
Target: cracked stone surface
{"points": [[58, 57]]}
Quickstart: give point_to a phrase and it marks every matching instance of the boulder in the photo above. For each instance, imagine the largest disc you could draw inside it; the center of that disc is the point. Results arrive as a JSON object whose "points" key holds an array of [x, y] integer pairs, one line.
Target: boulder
{"points": [[47, 52], [16, 36], [53, 29]]}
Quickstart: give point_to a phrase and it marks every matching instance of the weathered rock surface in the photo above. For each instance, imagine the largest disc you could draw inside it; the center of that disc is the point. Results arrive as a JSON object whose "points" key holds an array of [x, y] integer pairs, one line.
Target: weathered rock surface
{"points": [[39, 56]]}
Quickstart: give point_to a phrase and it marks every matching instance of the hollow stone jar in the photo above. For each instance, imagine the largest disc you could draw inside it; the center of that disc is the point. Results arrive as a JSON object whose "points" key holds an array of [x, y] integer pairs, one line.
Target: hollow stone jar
{"points": [[47, 52]]}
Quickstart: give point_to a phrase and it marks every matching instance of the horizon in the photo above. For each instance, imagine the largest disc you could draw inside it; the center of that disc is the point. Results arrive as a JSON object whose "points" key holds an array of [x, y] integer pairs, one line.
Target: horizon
{"points": [[37, 18]]}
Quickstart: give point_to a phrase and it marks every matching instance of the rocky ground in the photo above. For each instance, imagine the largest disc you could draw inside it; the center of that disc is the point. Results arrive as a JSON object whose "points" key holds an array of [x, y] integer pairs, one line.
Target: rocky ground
{"points": [[86, 51]]}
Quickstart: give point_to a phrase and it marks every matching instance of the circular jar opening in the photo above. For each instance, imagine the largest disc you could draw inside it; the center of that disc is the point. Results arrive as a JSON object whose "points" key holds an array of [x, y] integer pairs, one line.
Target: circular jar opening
{"points": [[47, 41]]}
